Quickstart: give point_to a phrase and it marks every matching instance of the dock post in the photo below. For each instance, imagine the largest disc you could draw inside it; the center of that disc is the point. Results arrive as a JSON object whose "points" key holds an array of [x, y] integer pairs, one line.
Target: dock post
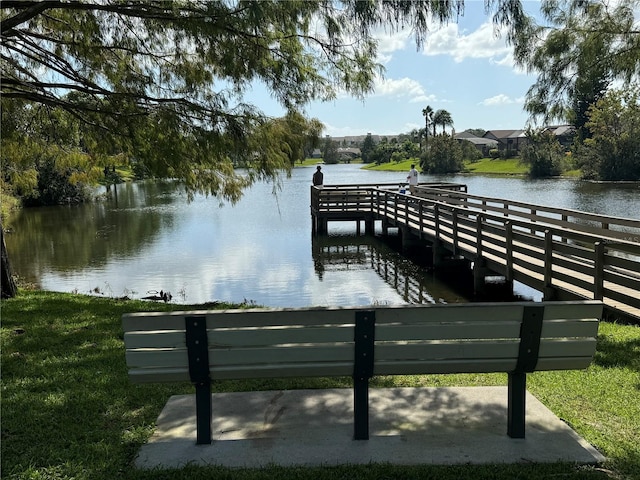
{"points": [[439, 254], [369, 227], [479, 273]]}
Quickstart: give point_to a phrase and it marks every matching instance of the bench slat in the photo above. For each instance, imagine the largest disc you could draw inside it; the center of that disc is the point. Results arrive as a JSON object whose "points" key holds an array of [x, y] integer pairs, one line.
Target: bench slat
{"points": [[467, 312], [479, 366], [591, 309], [168, 375], [242, 337], [587, 328], [408, 367], [459, 330], [243, 356], [567, 347], [437, 350], [240, 318]]}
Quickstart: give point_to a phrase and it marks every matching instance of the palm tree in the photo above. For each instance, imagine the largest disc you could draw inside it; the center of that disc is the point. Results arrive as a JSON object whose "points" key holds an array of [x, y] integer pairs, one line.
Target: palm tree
{"points": [[442, 117], [428, 121]]}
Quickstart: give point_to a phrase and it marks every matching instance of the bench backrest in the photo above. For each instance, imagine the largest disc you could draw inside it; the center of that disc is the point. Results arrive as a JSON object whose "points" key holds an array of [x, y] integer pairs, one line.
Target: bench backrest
{"points": [[455, 338]]}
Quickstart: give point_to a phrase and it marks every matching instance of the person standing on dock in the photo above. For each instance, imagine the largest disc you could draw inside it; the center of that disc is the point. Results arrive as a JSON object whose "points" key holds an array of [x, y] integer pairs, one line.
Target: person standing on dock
{"points": [[318, 177], [412, 178]]}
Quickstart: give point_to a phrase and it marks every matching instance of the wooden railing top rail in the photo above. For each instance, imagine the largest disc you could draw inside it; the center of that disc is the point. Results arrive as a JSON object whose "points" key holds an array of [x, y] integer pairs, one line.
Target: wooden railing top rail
{"points": [[392, 186], [625, 228]]}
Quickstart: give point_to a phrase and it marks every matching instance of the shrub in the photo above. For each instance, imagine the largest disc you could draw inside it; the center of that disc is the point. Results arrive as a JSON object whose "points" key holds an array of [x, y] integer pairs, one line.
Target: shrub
{"points": [[444, 155], [544, 155]]}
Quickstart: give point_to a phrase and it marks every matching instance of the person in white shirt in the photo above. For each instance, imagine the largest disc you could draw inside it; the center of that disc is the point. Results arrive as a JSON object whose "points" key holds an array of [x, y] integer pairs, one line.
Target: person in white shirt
{"points": [[412, 178]]}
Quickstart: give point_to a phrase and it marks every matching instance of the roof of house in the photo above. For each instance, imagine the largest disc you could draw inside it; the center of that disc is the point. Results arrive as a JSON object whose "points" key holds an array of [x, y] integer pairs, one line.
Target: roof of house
{"points": [[560, 130], [480, 140], [355, 151], [466, 135], [503, 134]]}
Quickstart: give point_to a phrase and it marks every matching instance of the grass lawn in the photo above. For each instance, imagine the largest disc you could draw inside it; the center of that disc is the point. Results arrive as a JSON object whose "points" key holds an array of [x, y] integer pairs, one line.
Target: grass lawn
{"points": [[69, 411], [497, 166], [486, 166], [309, 162], [404, 166]]}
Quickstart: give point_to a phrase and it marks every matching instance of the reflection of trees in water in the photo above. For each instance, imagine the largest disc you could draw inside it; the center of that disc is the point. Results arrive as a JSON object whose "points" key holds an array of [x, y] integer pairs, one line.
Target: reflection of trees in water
{"points": [[70, 238], [414, 284], [608, 198]]}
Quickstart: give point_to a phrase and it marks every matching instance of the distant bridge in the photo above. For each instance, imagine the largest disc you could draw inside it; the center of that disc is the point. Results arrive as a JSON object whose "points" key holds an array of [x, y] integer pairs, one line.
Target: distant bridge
{"points": [[565, 254]]}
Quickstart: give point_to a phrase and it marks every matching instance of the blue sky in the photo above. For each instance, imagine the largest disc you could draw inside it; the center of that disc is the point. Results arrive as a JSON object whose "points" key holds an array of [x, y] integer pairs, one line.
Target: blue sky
{"points": [[462, 68]]}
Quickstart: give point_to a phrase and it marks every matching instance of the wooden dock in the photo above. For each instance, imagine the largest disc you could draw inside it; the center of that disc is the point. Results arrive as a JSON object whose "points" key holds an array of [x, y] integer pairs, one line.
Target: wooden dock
{"points": [[565, 254]]}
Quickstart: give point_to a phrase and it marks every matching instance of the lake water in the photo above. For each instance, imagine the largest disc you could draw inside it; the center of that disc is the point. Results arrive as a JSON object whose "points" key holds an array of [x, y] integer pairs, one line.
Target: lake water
{"points": [[150, 238]]}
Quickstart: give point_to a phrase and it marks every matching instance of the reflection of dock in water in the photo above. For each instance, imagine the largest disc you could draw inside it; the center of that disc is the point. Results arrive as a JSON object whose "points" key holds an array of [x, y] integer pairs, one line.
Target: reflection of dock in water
{"points": [[362, 252]]}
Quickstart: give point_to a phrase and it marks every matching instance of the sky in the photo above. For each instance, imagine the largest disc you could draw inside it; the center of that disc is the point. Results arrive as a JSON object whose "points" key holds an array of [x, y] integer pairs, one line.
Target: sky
{"points": [[462, 68]]}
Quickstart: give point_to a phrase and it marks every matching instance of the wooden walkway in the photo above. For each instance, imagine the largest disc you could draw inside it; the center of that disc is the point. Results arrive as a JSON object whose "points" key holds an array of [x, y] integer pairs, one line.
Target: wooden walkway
{"points": [[565, 254]]}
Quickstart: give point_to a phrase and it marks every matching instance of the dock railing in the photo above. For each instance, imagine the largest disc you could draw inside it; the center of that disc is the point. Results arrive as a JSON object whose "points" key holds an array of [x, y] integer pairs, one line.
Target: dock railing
{"points": [[563, 253]]}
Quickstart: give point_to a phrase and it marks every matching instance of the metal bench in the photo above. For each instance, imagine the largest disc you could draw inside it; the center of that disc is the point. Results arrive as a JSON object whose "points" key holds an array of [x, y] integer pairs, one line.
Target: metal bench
{"points": [[515, 338]]}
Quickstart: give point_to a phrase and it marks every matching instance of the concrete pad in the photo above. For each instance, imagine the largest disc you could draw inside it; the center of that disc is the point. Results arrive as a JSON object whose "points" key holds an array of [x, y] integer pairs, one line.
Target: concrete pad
{"points": [[407, 426]]}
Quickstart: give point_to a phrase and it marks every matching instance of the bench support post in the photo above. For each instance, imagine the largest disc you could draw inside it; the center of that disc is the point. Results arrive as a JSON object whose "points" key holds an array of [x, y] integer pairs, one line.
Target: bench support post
{"points": [[364, 337], [198, 353], [516, 405], [530, 331]]}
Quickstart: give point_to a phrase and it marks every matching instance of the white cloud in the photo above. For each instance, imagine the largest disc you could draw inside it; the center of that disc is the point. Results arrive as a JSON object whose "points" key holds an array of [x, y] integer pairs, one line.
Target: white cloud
{"points": [[389, 43], [481, 43], [402, 87], [335, 131], [501, 99], [425, 99]]}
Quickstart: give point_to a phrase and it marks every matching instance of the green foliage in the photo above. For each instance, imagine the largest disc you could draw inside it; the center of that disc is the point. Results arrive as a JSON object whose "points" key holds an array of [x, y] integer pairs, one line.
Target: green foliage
{"points": [[409, 149], [613, 152], [164, 83], [428, 113], [579, 50], [330, 151], [39, 171], [469, 151], [383, 152], [543, 154], [55, 187], [42, 161], [442, 118], [494, 153], [507, 153], [478, 132], [393, 151], [443, 155], [368, 147]]}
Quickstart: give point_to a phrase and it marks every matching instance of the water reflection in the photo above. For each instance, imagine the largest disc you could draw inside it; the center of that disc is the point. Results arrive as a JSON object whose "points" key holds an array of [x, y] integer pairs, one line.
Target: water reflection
{"points": [[69, 238], [349, 253], [616, 199]]}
